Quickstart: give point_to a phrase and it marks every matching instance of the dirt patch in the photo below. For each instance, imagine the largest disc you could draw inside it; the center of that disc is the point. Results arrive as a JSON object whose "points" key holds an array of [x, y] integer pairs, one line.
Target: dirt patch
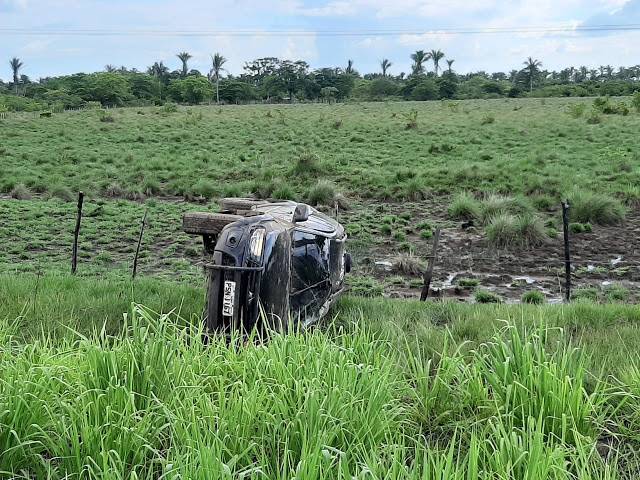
{"points": [[608, 256]]}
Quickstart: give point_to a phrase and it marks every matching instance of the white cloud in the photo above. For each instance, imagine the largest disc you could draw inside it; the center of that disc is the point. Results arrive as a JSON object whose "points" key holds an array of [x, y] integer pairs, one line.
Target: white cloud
{"points": [[331, 9]]}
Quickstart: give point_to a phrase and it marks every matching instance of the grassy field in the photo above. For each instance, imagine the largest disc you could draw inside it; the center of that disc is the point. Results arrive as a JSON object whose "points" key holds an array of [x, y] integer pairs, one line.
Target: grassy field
{"points": [[387, 390], [510, 146], [400, 183], [93, 385]]}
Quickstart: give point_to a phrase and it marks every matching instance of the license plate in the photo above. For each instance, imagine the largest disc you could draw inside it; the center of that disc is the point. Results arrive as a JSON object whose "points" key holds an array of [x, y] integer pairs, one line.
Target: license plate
{"points": [[228, 298]]}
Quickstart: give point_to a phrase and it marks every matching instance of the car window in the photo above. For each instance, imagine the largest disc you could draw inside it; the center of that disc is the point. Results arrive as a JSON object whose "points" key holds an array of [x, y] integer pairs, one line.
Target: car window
{"points": [[310, 260]]}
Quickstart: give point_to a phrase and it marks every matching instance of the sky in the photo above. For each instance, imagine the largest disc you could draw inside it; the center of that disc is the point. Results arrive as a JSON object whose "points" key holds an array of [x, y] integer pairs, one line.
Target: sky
{"points": [[418, 25]]}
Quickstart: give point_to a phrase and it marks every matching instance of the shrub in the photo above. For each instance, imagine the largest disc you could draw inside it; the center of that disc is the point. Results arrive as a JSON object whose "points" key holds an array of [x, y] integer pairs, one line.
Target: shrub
{"points": [[468, 282], [284, 192], [589, 207], [576, 110], [589, 294], [531, 230], [204, 188], [635, 101], [323, 193], [20, 192], [307, 163], [485, 296], [408, 264], [411, 119], [616, 293], [534, 297], [576, 227], [494, 205], [464, 207], [105, 116], [506, 230], [502, 230], [487, 120], [365, 286], [413, 190], [61, 192], [170, 108], [594, 118]]}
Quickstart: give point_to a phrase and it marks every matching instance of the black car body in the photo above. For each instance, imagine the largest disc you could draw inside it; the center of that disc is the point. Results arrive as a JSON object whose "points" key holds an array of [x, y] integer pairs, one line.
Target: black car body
{"points": [[275, 263]]}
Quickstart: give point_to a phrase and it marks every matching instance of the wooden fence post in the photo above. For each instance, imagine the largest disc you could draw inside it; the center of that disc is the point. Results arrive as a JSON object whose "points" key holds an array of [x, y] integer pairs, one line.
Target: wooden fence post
{"points": [[135, 259], [432, 260], [567, 254], [76, 232]]}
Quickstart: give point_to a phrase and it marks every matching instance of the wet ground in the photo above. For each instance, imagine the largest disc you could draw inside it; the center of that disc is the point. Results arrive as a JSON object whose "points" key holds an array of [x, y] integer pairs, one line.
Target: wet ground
{"points": [[606, 258]]}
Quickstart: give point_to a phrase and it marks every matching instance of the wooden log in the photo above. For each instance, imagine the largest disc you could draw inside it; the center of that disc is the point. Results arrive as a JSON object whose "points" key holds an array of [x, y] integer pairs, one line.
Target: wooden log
{"points": [[432, 261], [204, 223], [567, 253], [135, 258], [76, 233]]}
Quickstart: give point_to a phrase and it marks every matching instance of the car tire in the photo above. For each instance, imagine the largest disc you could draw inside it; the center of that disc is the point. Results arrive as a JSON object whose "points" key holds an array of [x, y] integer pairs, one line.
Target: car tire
{"points": [[347, 263], [234, 204]]}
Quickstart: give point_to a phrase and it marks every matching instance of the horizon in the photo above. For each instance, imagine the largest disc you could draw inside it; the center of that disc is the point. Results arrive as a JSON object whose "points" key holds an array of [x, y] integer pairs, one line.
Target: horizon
{"points": [[136, 34]]}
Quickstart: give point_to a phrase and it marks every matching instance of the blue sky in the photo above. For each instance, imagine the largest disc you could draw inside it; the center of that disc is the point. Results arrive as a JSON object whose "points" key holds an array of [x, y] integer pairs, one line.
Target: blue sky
{"points": [[53, 55]]}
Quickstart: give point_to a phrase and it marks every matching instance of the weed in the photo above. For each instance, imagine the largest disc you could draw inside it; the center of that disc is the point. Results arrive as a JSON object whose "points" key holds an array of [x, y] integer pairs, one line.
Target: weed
{"points": [[20, 192], [307, 163], [534, 297], [576, 110], [590, 207], [468, 282], [464, 207], [322, 193], [408, 264], [105, 116], [411, 119], [365, 287], [576, 227], [485, 296], [487, 119]]}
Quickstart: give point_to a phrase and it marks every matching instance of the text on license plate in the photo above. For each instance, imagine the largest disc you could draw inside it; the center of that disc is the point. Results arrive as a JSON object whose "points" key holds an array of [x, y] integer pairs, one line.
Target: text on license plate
{"points": [[228, 297]]}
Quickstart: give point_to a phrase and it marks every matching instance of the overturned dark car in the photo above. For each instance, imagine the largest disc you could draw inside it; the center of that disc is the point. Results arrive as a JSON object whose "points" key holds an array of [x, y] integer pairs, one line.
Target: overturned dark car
{"points": [[269, 264]]}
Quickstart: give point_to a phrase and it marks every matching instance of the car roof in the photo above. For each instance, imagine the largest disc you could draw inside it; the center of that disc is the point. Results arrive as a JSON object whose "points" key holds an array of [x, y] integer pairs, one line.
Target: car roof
{"points": [[318, 222]]}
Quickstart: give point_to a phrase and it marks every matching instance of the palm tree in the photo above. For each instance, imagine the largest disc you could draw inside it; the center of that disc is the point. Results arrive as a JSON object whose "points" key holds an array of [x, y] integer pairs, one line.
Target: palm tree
{"points": [[184, 58], [436, 56], [158, 70], [449, 63], [349, 68], [109, 68], [532, 68], [217, 61], [418, 58], [385, 64], [16, 65]]}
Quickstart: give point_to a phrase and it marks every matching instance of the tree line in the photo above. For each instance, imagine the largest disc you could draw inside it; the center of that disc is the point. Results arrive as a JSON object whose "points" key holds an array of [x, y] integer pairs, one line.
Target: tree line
{"points": [[276, 80]]}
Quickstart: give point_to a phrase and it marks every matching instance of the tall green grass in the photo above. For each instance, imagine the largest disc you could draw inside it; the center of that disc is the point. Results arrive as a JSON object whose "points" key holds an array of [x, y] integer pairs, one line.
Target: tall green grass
{"points": [[154, 402]]}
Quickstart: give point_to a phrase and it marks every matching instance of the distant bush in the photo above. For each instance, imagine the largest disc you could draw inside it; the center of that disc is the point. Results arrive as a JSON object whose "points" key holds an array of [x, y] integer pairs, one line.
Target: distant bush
{"points": [[307, 163], [411, 119], [170, 108], [604, 105], [487, 119], [464, 207], [61, 192], [485, 296], [204, 188], [635, 101], [506, 230], [468, 282], [594, 118], [589, 207], [408, 264], [577, 227], [534, 297], [495, 204], [284, 192], [365, 286], [20, 192], [105, 116], [323, 193], [576, 110]]}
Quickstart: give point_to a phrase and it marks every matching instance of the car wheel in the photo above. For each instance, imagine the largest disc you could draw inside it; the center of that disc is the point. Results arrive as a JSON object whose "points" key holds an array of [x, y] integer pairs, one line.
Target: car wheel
{"points": [[347, 262]]}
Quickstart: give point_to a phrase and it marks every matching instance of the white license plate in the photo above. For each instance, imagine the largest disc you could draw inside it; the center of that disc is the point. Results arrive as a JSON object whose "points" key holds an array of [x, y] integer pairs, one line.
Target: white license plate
{"points": [[228, 298]]}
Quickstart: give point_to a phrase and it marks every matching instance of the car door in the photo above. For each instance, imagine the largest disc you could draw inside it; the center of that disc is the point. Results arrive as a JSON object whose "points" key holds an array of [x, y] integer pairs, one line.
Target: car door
{"points": [[310, 277]]}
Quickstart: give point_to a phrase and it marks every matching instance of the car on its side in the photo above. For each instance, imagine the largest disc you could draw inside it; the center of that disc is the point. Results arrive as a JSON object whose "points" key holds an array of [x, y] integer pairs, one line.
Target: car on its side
{"points": [[269, 264]]}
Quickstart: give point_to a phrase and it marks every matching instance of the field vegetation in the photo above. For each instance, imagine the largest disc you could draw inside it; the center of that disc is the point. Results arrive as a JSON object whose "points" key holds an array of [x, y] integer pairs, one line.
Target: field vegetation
{"points": [[384, 389]]}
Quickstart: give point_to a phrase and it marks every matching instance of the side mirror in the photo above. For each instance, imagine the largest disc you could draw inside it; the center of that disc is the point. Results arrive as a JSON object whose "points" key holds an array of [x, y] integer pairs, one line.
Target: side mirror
{"points": [[301, 213]]}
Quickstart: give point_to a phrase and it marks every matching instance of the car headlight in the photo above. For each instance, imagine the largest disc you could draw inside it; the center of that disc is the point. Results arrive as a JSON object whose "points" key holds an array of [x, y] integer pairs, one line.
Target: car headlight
{"points": [[256, 243]]}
